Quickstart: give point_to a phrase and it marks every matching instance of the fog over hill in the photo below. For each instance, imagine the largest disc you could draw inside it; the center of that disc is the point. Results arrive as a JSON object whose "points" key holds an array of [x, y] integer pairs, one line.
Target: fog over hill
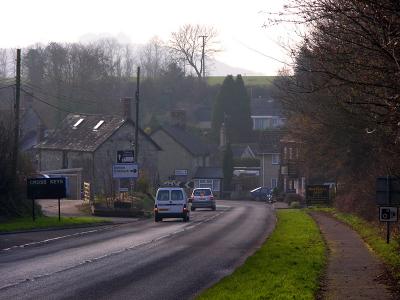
{"points": [[213, 67], [218, 68]]}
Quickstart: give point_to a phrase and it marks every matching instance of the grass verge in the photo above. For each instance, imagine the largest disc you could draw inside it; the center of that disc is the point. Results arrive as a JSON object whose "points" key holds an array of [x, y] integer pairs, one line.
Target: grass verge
{"points": [[26, 223], [373, 236], [287, 266]]}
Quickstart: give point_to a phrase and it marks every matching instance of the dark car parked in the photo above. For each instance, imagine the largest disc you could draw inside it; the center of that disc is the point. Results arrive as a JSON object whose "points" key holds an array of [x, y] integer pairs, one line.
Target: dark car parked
{"points": [[261, 193]]}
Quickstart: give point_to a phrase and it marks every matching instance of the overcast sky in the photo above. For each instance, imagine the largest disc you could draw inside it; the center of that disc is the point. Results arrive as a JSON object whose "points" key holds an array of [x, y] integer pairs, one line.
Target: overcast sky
{"points": [[239, 24]]}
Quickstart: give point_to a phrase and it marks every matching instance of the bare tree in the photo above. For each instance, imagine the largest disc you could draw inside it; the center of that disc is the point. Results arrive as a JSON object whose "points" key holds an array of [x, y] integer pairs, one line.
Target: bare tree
{"points": [[3, 63], [187, 46], [153, 58]]}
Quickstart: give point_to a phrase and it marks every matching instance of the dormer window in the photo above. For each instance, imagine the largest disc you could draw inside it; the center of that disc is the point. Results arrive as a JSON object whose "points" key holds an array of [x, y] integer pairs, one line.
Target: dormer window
{"points": [[95, 128], [77, 123]]}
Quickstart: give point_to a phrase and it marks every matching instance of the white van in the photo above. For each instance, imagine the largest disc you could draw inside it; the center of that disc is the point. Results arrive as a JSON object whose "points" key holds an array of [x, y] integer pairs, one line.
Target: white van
{"points": [[171, 202]]}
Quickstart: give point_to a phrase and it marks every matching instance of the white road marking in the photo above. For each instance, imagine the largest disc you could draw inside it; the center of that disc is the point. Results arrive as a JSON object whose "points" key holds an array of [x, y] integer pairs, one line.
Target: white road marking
{"points": [[87, 261]]}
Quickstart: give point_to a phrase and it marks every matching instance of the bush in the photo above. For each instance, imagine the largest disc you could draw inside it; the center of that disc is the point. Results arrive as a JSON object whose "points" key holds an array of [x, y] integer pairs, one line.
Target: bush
{"points": [[143, 184], [289, 198], [13, 197], [295, 204]]}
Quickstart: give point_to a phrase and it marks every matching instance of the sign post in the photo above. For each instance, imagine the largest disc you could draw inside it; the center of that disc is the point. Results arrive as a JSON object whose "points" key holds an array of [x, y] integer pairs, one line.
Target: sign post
{"points": [[388, 200], [125, 171], [46, 188], [125, 156], [388, 194], [33, 209]]}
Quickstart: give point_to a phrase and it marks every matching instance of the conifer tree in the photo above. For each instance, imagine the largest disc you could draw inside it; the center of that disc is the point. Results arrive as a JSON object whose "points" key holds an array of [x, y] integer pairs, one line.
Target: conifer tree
{"points": [[222, 104], [232, 106]]}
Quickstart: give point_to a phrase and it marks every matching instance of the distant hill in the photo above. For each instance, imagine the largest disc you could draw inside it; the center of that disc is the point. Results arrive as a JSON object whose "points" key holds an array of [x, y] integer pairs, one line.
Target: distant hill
{"points": [[217, 68], [248, 80]]}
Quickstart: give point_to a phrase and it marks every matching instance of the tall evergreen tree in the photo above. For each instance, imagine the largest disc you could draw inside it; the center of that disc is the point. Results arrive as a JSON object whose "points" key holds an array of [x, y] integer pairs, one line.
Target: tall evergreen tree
{"points": [[232, 106], [222, 104], [241, 125]]}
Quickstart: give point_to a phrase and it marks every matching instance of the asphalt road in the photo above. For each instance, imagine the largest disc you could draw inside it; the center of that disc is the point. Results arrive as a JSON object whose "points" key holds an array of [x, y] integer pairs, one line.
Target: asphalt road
{"points": [[140, 260]]}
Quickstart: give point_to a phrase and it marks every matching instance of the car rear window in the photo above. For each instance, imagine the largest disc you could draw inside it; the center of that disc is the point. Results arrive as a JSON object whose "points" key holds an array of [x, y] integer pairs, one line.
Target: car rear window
{"points": [[176, 195], [202, 192], [163, 195]]}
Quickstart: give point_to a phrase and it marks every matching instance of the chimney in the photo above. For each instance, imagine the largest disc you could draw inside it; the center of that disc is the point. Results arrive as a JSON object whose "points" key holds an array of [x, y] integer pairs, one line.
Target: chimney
{"points": [[127, 108], [178, 118]]}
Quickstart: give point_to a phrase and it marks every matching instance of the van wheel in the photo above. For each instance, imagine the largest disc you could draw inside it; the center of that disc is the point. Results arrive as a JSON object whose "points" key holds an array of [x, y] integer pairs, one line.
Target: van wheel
{"points": [[157, 218], [214, 207], [186, 218], [192, 208]]}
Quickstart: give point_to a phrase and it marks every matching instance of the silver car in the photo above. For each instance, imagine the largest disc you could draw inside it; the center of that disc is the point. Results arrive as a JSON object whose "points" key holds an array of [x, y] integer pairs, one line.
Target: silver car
{"points": [[202, 198]]}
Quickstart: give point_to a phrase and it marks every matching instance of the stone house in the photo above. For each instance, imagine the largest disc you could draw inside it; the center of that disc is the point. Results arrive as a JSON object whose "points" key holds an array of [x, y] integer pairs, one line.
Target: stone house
{"points": [[292, 175], [268, 152], [182, 152], [90, 143]]}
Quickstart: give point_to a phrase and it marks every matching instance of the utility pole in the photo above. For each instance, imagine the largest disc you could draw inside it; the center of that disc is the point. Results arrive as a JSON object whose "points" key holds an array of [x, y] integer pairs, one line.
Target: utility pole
{"points": [[14, 165], [137, 116], [203, 65]]}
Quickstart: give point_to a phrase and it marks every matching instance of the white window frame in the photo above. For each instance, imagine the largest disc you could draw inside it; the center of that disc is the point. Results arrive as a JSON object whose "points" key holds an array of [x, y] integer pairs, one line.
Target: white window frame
{"points": [[78, 123], [275, 159], [95, 128], [274, 183]]}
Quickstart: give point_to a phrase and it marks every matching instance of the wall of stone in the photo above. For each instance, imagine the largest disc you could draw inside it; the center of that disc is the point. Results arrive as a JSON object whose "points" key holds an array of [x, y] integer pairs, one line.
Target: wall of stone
{"points": [[174, 156]]}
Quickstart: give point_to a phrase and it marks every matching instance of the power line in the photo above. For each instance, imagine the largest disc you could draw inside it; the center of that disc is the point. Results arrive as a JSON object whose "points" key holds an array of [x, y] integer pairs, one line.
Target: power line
{"points": [[7, 80], [263, 54], [55, 106], [45, 102], [59, 96], [8, 86]]}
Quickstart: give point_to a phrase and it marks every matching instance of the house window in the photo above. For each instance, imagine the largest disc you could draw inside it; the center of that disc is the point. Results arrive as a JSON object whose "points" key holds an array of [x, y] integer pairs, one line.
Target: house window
{"points": [[206, 183], [77, 123], [275, 159], [274, 183], [285, 152], [275, 122], [98, 125], [290, 153], [216, 185], [261, 123]]}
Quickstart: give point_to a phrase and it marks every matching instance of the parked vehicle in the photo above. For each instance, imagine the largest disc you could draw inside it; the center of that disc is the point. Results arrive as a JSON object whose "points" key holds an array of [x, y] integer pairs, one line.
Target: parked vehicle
{"points": [[171, 202], [202, 198], [262, 194]]}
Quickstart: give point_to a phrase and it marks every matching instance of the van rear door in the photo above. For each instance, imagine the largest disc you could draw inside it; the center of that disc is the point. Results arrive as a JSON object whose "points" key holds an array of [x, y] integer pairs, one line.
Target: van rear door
{"points": [[170, 201]]}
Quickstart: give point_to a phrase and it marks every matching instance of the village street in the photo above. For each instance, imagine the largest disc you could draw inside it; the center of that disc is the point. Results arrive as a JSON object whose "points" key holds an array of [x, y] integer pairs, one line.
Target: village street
{"points": [[140, 260]]}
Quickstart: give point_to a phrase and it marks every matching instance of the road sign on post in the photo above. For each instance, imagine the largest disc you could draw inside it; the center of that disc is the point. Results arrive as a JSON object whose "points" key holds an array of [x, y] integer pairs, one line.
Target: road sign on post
{"points": [[125, 171], [388, 194], [388, 214], [125, 156], [46, 188]]}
